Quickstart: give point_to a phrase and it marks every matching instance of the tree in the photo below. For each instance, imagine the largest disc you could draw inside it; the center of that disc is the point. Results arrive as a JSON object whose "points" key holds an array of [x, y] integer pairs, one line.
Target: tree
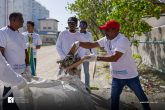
{"points": [[93, 11], [129, 13]]}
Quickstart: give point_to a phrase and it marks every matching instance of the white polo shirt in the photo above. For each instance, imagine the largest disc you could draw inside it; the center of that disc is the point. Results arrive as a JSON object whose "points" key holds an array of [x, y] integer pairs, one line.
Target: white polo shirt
{"points": [[65, 41], [36, 41], [125, 67], [15, 47], [86, 37]]}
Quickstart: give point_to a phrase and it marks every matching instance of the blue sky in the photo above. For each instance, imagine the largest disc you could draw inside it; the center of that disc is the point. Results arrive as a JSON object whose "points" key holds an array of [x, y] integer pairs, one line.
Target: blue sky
{"points": [[58, 11]]}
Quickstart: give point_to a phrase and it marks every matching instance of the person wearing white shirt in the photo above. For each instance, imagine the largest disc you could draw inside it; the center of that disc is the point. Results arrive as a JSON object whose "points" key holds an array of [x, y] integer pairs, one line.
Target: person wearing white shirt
{"points": [[67, 37], [86, 37], [122, 66], [14, 60], [8, 75], [36, 41]]}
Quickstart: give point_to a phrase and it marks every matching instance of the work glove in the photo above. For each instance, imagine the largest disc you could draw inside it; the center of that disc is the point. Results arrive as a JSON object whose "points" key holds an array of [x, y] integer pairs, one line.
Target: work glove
{"points": [[22, 84], [90, 58]]}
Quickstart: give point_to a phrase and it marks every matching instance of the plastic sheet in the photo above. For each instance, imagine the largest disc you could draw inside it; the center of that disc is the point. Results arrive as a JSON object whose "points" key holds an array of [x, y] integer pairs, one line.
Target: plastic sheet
{"points": [[66, 93]]}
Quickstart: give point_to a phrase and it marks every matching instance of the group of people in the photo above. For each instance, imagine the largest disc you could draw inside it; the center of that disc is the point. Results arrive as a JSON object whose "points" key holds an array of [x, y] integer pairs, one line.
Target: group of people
{"points": [[71, 35], [14, 55], [122, 65]]}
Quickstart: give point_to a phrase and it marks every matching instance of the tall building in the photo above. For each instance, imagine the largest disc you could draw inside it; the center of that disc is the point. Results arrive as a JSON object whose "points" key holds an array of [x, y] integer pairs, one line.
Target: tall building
{"points": [[38, 12], [48, 30], [30, 9], [3, 13]]}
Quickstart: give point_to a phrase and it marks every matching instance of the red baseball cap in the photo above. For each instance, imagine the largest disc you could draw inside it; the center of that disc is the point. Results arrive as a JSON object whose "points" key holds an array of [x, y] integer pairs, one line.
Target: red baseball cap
{"points": [[110, 24]]}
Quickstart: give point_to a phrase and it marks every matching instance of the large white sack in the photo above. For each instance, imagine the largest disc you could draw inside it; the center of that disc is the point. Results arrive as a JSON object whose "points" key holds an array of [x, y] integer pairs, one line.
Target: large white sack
{"points": [[67, 93]]}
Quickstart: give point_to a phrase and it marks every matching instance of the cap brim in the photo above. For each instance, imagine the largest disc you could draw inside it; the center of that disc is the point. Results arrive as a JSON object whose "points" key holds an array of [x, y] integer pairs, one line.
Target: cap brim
{"points": [[103, 27]]}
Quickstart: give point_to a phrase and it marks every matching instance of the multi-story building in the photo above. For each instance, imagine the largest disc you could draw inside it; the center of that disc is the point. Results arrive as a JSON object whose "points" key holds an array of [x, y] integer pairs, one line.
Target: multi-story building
{"points": [[38, 12], [48, 30], [30, 9]]}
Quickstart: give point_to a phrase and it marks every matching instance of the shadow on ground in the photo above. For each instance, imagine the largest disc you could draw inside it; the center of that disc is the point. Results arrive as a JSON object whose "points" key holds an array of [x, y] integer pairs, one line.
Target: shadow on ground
{"points": [[104, 104]]}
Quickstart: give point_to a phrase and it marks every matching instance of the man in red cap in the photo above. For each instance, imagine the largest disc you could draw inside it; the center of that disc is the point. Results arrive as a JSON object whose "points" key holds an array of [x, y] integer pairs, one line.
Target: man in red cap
{"points": [[122, 66]]}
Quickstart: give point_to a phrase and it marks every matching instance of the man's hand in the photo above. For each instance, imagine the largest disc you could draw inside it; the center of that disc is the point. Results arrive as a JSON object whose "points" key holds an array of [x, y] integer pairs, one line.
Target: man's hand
{"points": [[22, 84], [31, 46]]}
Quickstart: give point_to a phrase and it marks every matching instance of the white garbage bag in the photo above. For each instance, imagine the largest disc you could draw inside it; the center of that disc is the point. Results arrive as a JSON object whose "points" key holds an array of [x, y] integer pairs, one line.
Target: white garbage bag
{"points": [[66, 93]]}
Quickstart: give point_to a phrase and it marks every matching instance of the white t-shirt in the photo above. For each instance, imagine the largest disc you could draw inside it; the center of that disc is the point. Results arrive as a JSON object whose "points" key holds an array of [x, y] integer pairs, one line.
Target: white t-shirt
{"points": [[15, 47], [7, 74], [86, 37], [65, 41], [36, 41], [125, 67]]}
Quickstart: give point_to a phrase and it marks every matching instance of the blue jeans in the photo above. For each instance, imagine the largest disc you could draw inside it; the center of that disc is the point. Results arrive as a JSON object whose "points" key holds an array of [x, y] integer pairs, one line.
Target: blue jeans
{"points": [[134, 84], [86, 72]]}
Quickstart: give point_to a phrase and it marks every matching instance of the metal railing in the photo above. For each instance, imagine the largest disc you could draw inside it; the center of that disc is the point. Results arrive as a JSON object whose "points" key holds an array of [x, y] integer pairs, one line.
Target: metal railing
{"points": [[152, 42]]}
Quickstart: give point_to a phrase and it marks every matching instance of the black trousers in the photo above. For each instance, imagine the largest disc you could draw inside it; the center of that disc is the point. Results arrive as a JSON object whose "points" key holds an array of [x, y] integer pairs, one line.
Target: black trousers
{"points": [[5, 104]]}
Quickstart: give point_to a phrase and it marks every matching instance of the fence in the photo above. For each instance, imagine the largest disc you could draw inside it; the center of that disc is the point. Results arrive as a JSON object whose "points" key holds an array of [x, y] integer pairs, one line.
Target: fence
{"points": [[152, 48]]}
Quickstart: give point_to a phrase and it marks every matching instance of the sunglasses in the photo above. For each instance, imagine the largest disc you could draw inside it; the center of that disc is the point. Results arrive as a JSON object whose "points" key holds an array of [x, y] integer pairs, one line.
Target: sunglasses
{"points": [[82, 25]]}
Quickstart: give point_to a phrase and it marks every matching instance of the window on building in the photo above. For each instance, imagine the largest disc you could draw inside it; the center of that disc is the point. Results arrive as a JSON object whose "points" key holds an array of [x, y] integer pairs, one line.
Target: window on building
{"points": [[44, 27], [49, 27]]}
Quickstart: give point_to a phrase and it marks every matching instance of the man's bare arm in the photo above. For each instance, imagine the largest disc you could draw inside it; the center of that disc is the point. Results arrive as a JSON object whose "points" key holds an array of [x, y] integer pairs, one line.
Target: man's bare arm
{"points": [[106, 58], [113, 58], [87, 45], [77, 63]]}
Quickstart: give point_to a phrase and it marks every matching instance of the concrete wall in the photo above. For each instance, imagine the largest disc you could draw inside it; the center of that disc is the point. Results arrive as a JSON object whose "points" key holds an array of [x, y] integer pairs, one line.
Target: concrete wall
{"points": [[48, 39], [152, 21], [152, 48]]}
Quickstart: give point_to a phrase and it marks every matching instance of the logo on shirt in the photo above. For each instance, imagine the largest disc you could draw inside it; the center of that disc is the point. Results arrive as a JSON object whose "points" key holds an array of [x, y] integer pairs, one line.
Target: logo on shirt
{"points": [[120, 72], [19, 66]]}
